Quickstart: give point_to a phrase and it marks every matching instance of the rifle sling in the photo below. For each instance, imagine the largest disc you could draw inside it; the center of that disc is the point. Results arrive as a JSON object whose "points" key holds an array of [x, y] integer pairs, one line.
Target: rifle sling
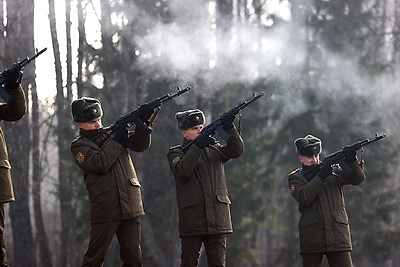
{"points": [[154, 116]]}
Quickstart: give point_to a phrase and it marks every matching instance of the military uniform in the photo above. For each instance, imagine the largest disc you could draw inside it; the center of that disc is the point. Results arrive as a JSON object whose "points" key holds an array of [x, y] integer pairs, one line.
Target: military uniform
{"points": [[202, 196], [12, 111], [114, 193], [324, 226]]}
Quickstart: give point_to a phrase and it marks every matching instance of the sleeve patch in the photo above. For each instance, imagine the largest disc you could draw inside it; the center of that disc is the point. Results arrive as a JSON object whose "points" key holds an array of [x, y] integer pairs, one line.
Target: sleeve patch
{"points": [[176, 159], [292, 188], [80, 157]]}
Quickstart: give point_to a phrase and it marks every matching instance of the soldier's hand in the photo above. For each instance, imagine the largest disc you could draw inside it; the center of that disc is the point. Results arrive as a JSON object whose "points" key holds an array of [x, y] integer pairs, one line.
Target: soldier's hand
{"points": [[349, 154], [325, 172], [12, 77], [227, 120], [204, 140], [121, 135], [145, 113]]}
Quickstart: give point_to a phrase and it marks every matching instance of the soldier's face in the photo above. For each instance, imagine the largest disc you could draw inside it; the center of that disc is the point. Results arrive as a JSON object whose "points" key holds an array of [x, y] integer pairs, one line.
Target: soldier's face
{"points": [[309, 160], [193, 132], [90, 125]]}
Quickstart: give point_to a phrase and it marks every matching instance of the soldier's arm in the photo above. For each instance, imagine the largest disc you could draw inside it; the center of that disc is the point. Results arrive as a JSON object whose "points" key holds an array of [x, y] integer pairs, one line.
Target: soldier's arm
{"points": [[302, 191], [90, 158], [182, 165], [356, 176], [139, 141], [234, 147], [16, 107]]}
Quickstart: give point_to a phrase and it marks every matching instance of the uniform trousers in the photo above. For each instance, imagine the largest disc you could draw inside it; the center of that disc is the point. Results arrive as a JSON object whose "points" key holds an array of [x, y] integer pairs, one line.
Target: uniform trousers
{"points": [[128, 235], [3, 257], [215, 247], [335, 259]]}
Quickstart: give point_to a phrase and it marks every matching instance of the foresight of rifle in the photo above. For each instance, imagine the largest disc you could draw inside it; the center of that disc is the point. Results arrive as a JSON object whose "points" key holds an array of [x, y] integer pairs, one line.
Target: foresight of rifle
{"points": [[216, 125], [338, 156]]}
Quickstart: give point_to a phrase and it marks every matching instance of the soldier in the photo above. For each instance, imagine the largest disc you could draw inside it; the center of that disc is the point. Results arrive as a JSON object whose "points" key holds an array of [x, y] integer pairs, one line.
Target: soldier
{"points": [[201, 188], [111, 182], [324, 226], [12, 111]]}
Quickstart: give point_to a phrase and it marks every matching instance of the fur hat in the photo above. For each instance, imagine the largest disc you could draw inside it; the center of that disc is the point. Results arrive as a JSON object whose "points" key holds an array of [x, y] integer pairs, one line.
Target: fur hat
{"points": [[189, 118], [86, 109], [308, 146]]}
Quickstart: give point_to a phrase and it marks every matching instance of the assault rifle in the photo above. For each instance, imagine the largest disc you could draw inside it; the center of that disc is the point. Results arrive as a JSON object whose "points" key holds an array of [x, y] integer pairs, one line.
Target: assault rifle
{"points": [[133, 117], [17, 66], [216, 126], [338, 156]]}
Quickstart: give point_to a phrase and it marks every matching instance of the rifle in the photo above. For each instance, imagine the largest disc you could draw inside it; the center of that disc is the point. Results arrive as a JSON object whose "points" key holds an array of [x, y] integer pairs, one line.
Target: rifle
{"points": [[338, 156], [216, 126], [17, 66], [134, 117]]}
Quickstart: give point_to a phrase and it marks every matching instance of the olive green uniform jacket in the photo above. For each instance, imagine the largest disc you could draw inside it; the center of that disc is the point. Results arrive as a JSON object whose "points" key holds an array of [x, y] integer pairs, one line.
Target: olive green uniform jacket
{"points": [[323, 225], [12, 111], [109, 174], [201, 188]]}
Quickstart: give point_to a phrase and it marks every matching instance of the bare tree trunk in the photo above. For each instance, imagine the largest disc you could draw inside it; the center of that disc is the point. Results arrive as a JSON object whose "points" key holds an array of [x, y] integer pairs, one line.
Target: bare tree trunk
{"points": [[41, 236], [37, 179], [2, 27], [72, 180], [81, 47], [224, 20], [396, 37], [107, 48], [64, 136], [20, 33]]}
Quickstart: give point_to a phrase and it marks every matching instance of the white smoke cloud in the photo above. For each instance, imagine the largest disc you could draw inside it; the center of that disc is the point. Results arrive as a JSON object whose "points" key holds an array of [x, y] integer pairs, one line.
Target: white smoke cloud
{"points": [[192, 47]]}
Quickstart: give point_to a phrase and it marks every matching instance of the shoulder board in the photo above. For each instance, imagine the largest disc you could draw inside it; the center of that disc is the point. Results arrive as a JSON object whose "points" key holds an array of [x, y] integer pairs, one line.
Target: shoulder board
{"points": [[174, 147], [294, 171], [76, 139]]}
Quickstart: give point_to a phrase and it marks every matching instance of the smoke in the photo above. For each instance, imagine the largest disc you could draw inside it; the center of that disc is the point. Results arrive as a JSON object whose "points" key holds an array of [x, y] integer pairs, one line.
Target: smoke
{"points": [[192, 48]]}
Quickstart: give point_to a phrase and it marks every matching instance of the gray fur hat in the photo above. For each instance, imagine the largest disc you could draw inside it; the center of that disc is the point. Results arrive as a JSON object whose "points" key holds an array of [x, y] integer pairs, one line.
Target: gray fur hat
{"points": [[308, 145], [86, 109], [189, 118]]}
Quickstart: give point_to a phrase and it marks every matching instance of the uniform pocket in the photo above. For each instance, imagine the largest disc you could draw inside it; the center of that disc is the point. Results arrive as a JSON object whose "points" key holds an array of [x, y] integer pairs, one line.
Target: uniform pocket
{"points": [[134, 182], [341, 216], [223, 199], [5, 163]]}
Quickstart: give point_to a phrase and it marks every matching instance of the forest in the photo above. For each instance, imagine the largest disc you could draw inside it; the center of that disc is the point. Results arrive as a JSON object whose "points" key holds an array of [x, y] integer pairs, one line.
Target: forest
{"points": [[329, 68]]}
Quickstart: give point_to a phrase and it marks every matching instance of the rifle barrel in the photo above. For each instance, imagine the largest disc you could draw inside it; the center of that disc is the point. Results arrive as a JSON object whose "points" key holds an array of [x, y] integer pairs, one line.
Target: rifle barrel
{"points": [[29, 60]]}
